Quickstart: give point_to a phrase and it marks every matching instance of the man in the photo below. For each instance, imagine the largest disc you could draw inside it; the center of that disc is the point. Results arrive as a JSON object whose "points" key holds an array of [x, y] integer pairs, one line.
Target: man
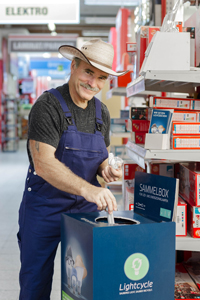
{"points": [[67, 147]]}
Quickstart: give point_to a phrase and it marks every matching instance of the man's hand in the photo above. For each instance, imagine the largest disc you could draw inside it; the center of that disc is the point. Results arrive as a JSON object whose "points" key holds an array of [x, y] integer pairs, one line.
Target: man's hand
{"points": [[102, 197], [110, 174]]}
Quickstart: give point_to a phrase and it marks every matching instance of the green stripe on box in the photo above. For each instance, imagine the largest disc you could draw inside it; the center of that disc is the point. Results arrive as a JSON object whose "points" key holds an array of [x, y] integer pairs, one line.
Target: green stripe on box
{"points": [[65, 296], [166, 213]]}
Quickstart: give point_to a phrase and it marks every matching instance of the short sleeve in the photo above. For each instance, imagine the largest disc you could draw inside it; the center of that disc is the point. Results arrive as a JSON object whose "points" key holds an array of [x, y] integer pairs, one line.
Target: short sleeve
{"points": [[45, 122], [106, 124]]}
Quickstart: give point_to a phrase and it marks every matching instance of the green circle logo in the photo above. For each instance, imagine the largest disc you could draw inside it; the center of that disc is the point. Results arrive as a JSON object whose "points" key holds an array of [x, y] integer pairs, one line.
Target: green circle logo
{"points": [[136, 266]]}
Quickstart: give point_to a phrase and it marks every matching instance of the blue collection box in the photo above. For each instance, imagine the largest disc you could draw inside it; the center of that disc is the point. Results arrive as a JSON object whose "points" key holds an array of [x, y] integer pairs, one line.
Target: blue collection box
{"points": [[135, 260]]}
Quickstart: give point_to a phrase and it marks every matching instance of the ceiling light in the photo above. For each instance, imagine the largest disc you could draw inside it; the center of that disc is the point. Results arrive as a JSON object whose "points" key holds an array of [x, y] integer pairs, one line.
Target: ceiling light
{"points": [[53, 33], [46, 55], [52, 26]]}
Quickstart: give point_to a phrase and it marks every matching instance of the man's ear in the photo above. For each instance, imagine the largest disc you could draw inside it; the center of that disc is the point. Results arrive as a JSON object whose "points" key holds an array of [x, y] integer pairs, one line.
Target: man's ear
{"points": [[73, 66]]}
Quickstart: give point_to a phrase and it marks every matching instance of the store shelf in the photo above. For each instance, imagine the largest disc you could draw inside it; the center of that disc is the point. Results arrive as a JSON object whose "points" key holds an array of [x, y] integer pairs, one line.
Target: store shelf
{"points": [[187, 243], [165, 81], [141, 155], [121, 134], [118, 91]]}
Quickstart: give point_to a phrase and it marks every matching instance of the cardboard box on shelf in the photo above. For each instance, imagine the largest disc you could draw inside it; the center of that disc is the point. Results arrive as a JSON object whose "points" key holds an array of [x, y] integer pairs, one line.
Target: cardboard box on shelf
{"points": [[193, 214], [185, 128], [138, 137], [189, 187], [185, 116], [139, 113], [162, 169], [185, 142], [124, 113], [117, 125], [137, 125], [174, 103], [129, 169], [181, 218]]}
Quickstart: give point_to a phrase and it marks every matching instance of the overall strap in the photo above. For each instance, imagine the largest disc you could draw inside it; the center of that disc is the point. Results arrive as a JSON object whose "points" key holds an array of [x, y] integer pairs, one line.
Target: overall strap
{"points": [[64, 106], [99, 121]]}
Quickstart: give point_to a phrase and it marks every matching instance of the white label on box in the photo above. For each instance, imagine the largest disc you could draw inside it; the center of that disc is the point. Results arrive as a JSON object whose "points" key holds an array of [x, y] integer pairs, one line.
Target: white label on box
{"points": [[196, 217], [181, 220], [198, 191]]}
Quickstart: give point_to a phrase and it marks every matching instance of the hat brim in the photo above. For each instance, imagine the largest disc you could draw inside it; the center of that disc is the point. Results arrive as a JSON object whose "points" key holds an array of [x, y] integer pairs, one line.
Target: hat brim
{"points": [[70, 52]]}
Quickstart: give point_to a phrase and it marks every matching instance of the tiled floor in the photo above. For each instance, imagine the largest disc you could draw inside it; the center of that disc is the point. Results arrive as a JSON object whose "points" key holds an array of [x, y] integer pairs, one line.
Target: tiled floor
{"points": [[13, 168]]}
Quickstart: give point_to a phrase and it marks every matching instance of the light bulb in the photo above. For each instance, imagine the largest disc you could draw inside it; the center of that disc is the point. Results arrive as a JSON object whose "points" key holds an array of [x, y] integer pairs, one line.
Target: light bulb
{"points": [[136, 265], [80, 271]]}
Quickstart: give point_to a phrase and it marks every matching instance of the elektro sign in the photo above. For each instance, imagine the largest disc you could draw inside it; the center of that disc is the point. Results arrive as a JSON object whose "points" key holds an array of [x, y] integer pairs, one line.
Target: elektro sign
{"points": [[40, 12]]}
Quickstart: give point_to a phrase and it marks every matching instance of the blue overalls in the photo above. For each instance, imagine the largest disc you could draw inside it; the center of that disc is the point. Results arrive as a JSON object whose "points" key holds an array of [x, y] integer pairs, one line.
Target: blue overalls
{"points": [[42, 204]]}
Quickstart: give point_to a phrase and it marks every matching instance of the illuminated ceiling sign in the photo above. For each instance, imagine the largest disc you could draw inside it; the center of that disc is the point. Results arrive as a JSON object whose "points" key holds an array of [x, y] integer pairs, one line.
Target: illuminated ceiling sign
{"points": [[40, 12], [39, 43]]}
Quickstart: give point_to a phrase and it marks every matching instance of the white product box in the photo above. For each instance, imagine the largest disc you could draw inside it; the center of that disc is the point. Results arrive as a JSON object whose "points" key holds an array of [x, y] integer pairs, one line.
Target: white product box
{"points": [[181, 218]]}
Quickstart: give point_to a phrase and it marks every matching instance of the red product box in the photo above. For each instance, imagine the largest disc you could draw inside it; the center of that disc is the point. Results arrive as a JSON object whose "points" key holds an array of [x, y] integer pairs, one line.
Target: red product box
{"points": [[181, 218], [185, 142], [137, 125], [129, 169], [189, 182], [193, 223], [185, 116], [138, 137], [151, 32], [174, 103], [185, 128]]}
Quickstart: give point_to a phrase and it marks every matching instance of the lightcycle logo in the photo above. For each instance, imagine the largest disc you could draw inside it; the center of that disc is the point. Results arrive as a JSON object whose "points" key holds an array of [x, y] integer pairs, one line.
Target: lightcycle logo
{"points": [[136, 267]]}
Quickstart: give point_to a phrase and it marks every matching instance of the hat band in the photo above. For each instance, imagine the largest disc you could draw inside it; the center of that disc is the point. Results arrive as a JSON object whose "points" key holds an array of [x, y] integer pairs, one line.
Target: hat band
{"points": [[97, 62]]}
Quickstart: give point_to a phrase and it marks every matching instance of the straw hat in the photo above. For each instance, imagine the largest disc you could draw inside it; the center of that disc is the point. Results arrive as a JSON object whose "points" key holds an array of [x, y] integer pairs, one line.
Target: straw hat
{"points": [[95, 52]]}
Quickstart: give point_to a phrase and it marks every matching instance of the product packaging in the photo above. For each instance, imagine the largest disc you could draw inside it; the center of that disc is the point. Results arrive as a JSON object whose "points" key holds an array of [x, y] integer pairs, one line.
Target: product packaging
{"points": [[185, 128], [185, 142], [139, 113], [162, 169], [175, 103], [129, 169], [185, 116], [181, 218], [138, 137], [117, 125], [137, 125], [193, 214], [124, 113], [189, 187]]}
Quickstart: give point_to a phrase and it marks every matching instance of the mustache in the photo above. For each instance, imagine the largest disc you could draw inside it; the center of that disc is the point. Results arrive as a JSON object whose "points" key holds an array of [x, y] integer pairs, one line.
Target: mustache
{"points": [[87, 86]]}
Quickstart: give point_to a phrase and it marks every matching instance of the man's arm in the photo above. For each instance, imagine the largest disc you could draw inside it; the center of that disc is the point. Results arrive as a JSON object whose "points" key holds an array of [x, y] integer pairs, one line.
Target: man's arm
{"points": [[107, 172], [57, 174]]}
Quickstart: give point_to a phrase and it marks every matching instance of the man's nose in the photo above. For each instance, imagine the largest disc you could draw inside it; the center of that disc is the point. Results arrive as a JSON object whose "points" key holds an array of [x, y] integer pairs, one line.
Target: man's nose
{"points": [[92, 81]]}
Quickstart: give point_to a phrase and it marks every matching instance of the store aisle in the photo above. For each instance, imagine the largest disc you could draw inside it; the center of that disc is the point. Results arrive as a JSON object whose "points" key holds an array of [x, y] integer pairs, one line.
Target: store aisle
{"points": [[13, 168]]}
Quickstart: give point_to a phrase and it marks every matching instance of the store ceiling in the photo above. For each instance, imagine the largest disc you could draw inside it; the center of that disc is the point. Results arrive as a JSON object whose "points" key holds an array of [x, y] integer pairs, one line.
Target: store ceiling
{"points": [[95, 20]]}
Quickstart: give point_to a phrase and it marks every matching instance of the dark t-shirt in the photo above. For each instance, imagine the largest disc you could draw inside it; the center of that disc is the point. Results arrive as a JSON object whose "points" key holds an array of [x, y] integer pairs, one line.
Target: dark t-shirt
{"points": [[47, 120]]}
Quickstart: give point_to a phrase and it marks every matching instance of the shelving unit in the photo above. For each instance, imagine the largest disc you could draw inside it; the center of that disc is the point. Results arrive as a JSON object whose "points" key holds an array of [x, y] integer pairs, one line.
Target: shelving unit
{"points": [[118, 91], [187, 243], [10, 124], [165, 81]]}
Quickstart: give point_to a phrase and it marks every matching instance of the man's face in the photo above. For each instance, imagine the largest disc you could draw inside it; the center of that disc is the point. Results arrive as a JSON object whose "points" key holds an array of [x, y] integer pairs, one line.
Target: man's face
{"points": [[86, 80]]}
